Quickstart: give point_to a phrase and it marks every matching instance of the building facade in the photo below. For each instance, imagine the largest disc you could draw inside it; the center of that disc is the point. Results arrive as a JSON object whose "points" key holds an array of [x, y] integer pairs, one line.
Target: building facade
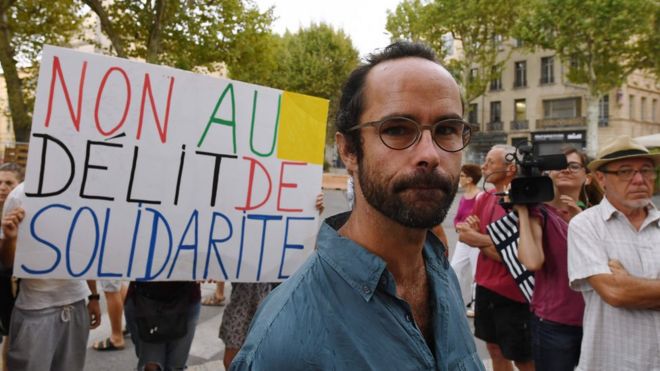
{"points": [[534, 102]]}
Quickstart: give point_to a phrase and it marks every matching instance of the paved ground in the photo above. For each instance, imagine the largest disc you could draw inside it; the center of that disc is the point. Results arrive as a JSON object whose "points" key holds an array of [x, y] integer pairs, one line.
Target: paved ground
{"points": [[207, 350]]}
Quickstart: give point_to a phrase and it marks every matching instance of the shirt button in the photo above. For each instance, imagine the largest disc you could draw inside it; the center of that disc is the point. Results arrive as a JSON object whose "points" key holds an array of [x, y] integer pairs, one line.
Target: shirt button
{"points": [[366, 289], [408, 318]]}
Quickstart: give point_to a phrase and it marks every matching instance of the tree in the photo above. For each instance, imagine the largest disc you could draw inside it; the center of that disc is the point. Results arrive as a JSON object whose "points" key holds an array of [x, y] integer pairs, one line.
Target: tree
{"points": [[25, 26], [183, 33], [601, 46], [314, 61], [482, 28]]}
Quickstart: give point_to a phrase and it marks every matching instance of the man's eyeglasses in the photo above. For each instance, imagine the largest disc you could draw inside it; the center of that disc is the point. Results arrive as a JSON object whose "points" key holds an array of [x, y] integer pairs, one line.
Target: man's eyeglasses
{"points": [[574, 167], [399, 133], [627, 173]]}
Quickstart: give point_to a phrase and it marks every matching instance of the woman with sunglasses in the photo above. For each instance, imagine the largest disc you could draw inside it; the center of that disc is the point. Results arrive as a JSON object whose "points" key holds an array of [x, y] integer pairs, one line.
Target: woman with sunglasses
{"points": [[556, 309]]}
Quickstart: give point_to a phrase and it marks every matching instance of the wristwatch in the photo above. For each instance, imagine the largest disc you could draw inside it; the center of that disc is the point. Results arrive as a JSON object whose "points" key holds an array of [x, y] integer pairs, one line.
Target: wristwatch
{"points": [[94, 297]]}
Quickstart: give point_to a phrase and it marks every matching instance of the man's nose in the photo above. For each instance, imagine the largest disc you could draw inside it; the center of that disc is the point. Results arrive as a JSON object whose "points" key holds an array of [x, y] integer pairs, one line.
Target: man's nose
{"points": [[427, 150]]}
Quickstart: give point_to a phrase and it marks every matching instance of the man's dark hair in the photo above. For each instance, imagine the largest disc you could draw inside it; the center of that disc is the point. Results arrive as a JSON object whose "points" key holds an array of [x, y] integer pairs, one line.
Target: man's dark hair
{"points": [[351, 103]]}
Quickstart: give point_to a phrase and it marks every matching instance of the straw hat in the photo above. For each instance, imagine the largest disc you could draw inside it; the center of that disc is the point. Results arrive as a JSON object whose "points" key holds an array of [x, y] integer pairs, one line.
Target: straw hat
{"points": [[622, 147]]}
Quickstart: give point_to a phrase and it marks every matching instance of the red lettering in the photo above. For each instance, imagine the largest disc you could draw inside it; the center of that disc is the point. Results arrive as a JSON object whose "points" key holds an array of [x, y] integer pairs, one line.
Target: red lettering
{"points": [[162, 130], [57, 73], [100, 94], [286, 185], [248, 202]]}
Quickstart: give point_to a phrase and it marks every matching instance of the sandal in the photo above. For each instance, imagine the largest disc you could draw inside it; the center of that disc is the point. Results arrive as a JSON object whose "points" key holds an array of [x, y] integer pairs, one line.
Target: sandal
{"points": [[213, 301], [106, 345]]}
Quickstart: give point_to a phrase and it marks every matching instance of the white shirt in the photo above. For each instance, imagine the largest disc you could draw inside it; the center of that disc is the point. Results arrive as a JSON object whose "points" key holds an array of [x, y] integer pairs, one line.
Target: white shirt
{"points": [[615, 338], [37, 294]]}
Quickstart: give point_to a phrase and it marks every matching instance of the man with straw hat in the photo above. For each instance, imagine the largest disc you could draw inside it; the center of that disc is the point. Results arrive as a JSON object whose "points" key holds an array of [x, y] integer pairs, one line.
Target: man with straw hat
{"points": [[614, 260]]}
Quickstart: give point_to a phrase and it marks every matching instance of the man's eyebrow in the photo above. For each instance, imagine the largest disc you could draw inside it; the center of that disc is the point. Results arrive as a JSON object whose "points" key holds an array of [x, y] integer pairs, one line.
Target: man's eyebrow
{"points": [[450, 116]]}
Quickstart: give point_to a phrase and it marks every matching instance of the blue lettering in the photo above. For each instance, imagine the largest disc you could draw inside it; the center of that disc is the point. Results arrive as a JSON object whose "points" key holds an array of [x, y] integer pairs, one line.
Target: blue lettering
{"points": [[58, 253], [288, 245], [99, 270], [148, 276], [135, 232], [68, 241], [214, 241], [193, 247], [265, 219]]}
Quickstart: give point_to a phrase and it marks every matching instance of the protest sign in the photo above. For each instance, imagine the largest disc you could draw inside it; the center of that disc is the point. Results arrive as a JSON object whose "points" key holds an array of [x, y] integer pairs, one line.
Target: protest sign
{"points": [[145, 172]]}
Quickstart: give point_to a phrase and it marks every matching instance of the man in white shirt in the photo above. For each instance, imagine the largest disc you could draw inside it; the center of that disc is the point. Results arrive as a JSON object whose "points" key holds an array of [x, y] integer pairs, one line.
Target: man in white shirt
{"points": [[50, 322], [614, 260]]}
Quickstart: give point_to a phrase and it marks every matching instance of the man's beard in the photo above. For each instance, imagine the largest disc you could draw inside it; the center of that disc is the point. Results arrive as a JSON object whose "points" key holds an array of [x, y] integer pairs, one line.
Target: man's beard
{"points": [[418, 213]]}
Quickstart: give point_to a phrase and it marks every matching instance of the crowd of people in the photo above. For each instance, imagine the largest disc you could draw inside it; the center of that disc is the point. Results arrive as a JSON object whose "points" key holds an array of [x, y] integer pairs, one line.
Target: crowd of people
{"points": [[379, 291]]}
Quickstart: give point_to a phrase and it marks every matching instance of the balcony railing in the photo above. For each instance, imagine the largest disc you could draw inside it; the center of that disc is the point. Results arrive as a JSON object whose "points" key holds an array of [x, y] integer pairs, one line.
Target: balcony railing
{"points": [[561, 122], [519, 125], [494, 126]]}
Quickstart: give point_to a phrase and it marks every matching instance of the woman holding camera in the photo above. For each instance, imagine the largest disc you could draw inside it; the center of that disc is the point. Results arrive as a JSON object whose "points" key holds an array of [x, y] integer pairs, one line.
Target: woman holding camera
{"points": [[556, 310]]}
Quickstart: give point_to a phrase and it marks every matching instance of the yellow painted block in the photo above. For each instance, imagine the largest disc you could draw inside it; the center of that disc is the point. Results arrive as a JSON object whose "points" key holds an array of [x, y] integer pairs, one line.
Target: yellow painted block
{"points": [[302, 128]]}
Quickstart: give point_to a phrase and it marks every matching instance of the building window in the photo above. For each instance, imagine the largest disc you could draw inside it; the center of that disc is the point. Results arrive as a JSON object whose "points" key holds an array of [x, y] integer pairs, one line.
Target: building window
{"points": [[520, 110], [642, 109], [519, 43], [604, 110], [561, 108], [520, 141], [495, 111], [520, 77], [631, 107], [654, 110], [473, 112], [547, 70], [496, 82]]}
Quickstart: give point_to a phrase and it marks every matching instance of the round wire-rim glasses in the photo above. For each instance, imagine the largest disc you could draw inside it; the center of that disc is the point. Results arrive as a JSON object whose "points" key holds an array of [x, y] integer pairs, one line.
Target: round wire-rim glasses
{"points": [[398, 133]]}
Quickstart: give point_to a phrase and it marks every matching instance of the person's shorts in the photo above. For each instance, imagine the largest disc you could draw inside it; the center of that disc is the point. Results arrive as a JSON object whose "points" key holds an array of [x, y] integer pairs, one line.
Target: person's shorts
{"points": [[110, 285], [505, 322]]}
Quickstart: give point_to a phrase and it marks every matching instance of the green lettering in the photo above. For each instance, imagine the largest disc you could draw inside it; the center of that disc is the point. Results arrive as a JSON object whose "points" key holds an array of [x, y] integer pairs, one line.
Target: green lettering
{"points": [[216, 120]]}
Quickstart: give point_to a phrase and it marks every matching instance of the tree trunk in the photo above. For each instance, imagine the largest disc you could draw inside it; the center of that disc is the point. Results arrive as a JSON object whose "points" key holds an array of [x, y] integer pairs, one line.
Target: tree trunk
{"points": [[106, 26], [592, 124], [17, 106], [153, 43]]}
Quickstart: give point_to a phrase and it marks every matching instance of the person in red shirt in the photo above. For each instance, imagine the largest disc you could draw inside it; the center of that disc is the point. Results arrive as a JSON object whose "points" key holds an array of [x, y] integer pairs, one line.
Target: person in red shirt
{"points": [[501, 311]]}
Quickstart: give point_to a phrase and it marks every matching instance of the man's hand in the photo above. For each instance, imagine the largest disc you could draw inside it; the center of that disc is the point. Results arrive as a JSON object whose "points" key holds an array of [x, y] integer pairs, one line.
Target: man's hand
{"points": [[94, 310], [617, 268], [319, 203], [11, 221]]}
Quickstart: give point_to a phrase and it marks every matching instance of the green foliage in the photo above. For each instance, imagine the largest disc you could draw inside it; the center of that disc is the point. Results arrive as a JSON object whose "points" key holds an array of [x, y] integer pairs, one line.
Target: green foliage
{"points": [[313, 61], [602, 41], [482, 28], [27, 25], [186, 34]]}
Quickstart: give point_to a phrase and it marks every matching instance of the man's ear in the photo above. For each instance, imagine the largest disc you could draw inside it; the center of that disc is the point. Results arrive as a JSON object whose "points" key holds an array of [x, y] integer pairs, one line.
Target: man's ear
{"points": [[347, 157], [600, 177]]}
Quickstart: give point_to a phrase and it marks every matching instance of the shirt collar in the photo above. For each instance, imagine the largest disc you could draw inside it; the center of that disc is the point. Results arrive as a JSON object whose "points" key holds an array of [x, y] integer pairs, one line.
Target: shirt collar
{"points": [[608, 211], [360, 268]]}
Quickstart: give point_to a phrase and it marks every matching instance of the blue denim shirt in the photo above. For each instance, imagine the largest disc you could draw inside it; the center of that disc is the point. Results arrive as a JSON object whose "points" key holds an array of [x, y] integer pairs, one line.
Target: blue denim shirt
{"points": [[340, 311]]}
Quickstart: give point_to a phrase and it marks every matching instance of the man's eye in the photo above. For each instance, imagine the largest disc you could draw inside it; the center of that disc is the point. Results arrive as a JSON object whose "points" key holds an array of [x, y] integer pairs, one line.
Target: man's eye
{"points": [[397, 128], [446, 130], [625, 172]]}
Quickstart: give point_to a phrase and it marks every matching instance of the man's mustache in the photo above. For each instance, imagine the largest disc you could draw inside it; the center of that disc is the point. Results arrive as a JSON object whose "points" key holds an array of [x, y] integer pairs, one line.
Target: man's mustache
{"points": [[425, 180]]}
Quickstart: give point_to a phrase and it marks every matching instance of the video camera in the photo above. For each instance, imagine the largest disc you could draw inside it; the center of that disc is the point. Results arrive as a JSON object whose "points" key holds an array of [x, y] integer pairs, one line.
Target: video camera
{"points": [[531, 186]]}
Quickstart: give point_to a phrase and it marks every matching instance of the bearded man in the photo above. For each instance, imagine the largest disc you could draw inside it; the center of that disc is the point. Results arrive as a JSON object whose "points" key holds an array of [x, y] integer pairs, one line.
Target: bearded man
{"points": [[378, 293]]}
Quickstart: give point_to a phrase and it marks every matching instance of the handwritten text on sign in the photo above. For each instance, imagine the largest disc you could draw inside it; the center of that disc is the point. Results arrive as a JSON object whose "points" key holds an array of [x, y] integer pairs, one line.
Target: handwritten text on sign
{"points": [[149, 173]]}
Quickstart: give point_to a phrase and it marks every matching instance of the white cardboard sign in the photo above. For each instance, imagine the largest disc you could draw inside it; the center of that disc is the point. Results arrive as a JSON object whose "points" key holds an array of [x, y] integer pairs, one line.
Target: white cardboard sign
{"points": [[144, 172]]}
